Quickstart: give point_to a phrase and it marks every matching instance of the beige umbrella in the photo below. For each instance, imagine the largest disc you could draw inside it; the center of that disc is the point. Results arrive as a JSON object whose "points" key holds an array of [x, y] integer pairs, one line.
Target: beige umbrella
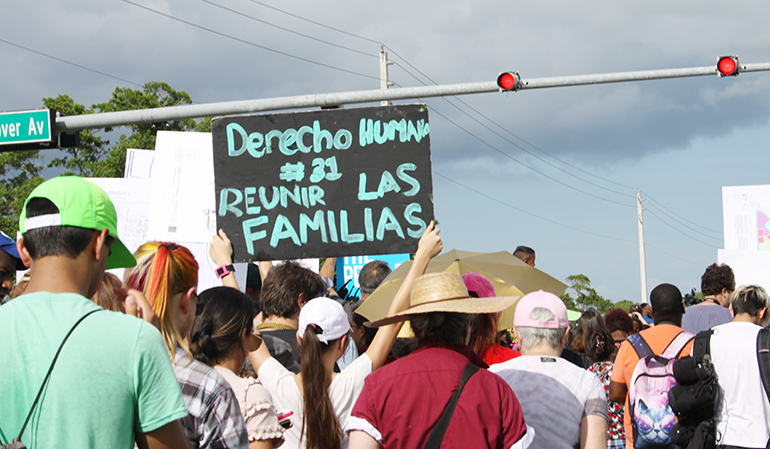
{"points": [[509, 275]]}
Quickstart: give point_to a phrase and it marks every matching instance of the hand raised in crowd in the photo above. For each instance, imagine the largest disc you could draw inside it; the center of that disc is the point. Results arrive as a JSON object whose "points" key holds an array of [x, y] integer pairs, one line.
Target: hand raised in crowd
{"points": [[430, 243], [221, 249], [135, 304]]}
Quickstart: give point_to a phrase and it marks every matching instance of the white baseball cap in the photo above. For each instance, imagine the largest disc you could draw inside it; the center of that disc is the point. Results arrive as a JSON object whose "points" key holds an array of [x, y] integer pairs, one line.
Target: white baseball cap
{"points": [[327, 317]]}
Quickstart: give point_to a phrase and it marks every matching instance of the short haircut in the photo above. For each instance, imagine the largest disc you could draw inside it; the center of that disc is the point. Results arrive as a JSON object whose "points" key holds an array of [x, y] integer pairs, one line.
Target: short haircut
{"points": [[750, 299], [666, 301], [67, 241], [447, 327], [535, 336], [618, 320], [283, 285], [372, 275], [715, 278], [523, 252]]}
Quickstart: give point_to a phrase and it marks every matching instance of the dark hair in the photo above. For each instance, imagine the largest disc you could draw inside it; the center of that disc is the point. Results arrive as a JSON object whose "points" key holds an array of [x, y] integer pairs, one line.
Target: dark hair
{"points": [[600, 346], [618, 320], [447, 327], [372, 275], [67, 241], [749, 299], [715, 278], [666, 301], [523, 252], [320, 427], [483, 332], [283, 285], [226, 313], [589, 322]]}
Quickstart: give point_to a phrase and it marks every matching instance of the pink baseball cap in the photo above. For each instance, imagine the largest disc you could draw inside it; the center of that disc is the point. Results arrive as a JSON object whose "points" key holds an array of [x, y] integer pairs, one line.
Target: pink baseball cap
{"points": [[480, 284], [547, 301]]}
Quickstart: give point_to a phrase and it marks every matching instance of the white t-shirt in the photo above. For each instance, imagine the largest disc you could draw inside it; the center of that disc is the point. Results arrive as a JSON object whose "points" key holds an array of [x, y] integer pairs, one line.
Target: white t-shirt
{"points": [[744, 415], [343, 392], [554, 395]]}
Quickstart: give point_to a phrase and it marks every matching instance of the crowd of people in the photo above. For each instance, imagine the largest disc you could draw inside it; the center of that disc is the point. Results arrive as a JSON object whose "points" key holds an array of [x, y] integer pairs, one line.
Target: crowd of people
{"points": [[148, 361]]}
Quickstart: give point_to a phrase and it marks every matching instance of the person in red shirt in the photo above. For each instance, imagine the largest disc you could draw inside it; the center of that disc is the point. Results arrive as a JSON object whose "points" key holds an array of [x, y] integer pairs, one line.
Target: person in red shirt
{"points": [[485, 339], [401, 403]]}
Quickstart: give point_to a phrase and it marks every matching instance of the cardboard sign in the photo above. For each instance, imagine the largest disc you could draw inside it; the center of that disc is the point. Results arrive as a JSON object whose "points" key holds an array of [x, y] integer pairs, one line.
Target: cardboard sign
{"points": [[332, 183]]}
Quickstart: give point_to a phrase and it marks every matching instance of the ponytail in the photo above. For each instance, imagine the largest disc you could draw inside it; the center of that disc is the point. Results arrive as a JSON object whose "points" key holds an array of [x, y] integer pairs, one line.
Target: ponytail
{"points": [[320, 427], [162, 271]]}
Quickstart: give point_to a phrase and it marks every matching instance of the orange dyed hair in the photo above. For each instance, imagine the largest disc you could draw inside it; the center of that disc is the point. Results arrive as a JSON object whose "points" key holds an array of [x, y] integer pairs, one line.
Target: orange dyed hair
{"points": [[162, 270]]}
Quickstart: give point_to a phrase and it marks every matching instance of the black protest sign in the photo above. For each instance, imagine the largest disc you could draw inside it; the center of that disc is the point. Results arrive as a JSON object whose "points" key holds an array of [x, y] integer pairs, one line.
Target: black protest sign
{"points": [[342, 182]]}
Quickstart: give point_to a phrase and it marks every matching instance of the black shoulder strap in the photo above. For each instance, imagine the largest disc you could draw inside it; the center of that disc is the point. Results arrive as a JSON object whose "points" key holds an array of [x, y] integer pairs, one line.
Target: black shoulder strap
{"points": [[48, 374], [702, 345], [640, 346], [763, 358], [437, 434]]}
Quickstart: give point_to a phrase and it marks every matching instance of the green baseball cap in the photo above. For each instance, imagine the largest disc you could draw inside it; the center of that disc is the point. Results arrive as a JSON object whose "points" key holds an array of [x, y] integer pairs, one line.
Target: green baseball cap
{"points": [[82, 204]]}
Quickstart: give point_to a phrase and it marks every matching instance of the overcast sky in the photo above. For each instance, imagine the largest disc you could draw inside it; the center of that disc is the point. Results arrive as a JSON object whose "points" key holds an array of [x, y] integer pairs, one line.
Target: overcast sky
{"points": [[555, 169]]}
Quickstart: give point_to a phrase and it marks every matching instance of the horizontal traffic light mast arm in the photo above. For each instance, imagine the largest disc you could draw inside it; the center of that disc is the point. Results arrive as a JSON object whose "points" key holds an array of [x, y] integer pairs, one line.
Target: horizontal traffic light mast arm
{"points": [[124, 118]]}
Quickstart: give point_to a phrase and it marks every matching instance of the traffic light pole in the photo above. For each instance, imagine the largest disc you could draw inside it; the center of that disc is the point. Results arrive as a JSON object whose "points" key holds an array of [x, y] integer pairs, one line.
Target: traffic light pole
{"points": [[124, 118]]}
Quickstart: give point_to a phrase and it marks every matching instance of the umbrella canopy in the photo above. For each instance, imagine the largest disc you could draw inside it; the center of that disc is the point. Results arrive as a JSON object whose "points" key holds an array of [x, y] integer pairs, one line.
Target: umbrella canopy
{"points": [[509, 275]]}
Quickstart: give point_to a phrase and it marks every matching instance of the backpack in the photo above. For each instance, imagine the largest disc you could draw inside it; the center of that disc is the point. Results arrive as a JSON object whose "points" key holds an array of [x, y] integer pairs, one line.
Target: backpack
{"points": [[651, 416], [695, 399]]}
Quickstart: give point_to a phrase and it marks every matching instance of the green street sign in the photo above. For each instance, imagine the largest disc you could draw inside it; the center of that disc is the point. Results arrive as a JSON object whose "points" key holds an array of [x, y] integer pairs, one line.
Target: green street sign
{"points": [[25, 127]]}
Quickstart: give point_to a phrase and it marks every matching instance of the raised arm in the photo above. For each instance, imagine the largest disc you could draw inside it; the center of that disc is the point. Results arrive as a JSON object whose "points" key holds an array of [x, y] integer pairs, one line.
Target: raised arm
{"points": [[429, 247], [221, 252]]}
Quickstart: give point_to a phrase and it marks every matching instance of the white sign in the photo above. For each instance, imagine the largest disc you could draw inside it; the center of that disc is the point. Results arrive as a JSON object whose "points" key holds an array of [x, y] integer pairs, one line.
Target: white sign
{"points": [[746, 218]]}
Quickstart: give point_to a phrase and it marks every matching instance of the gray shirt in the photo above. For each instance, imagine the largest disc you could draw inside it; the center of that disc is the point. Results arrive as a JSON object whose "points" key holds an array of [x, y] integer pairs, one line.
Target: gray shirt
{"points": [[701, 317], [554, 395]]}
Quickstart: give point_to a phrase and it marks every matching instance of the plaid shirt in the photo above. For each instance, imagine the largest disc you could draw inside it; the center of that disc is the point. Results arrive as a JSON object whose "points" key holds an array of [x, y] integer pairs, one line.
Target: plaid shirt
{"points": [[215, 420]]}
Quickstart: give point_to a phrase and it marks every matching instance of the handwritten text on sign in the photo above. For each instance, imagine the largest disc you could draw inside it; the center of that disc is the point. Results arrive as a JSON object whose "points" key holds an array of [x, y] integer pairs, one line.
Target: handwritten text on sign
{"points": [[321, 184]]}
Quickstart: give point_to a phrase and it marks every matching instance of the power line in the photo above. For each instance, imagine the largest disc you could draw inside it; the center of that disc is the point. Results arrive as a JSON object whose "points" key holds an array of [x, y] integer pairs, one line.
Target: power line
{"points": [[288, 30], [683, 224], [652, 200], [296, 16], [218, 33], [530, 213], [71, 63], [527, 166], [679, 231], [675, 257]]}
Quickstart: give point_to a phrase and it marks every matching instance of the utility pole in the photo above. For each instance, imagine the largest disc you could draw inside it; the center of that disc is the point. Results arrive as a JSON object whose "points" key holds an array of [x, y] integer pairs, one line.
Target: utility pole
{"points": [[642, 261], [384, 83]]}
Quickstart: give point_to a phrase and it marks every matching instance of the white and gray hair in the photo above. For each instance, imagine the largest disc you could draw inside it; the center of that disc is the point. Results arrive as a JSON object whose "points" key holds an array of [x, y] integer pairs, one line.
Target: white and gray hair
{"points": [[534, 336]]}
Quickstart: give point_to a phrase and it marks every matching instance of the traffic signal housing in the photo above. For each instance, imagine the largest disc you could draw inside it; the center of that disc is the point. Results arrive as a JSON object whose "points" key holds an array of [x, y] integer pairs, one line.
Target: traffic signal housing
{"points": [[509, 81], [728, 66]]}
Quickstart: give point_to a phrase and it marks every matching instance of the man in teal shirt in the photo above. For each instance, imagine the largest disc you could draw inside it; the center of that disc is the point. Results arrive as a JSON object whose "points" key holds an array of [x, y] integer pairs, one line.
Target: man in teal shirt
{"points": [[112, 384]]}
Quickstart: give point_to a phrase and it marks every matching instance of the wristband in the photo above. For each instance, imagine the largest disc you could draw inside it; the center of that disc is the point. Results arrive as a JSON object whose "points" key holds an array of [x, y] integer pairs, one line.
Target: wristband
{"points": [[224, 270]]}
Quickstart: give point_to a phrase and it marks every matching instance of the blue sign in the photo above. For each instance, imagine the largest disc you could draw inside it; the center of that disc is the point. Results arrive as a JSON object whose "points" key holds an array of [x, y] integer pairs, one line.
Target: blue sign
{"points": [[349, 267]]}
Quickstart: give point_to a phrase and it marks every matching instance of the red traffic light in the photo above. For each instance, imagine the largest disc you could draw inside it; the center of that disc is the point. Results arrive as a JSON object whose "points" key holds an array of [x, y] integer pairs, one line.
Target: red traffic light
{"points": [[728, 66], [509, 81]]}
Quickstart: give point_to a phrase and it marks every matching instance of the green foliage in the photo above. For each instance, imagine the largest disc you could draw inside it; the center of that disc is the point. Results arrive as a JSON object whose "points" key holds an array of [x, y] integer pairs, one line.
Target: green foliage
{"points": [[585, 297], [22, 171]]}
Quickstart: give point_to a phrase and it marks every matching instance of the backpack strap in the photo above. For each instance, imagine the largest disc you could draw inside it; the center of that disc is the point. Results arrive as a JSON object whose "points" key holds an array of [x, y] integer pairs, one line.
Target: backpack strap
{"points": [[640, 346], [50, 369], [702, 344], [763, 358], [677, 345], [437, 434]]}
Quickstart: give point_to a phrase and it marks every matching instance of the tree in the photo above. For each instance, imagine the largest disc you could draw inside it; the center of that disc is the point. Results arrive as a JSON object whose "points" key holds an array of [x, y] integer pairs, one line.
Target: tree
{"points": [[585, 296], [22, 171]]}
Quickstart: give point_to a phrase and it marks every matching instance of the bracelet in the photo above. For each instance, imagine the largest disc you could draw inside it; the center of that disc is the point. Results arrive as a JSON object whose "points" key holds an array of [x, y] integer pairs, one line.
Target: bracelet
{"points": [[224, 270]]}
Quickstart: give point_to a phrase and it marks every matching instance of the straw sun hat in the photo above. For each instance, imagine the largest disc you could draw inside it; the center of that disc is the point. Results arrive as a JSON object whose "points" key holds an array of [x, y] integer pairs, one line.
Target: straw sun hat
{"points": [[445, 292]]}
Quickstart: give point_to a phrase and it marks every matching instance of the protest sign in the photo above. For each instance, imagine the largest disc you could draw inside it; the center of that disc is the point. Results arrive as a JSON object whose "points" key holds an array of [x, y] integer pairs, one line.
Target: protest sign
{"points": [[330, 183], [348, 268]]}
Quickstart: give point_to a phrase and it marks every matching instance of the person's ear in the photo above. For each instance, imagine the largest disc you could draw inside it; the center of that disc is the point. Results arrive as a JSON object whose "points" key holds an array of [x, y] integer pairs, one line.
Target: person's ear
{"points": [[564, 337], [185, 301], [100, 238], [760, 315], [301, 300], [23, 253], [299, 340]]}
